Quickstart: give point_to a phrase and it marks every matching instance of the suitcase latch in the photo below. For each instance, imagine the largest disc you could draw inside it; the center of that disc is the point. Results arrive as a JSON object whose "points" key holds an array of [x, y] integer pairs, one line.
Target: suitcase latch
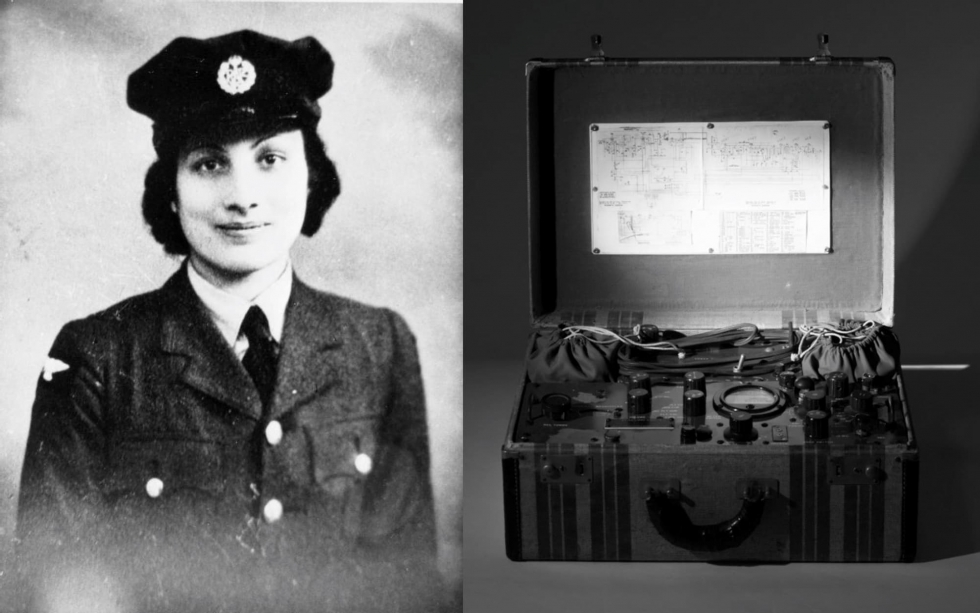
{"points": [[565, 468], [855, 470]]}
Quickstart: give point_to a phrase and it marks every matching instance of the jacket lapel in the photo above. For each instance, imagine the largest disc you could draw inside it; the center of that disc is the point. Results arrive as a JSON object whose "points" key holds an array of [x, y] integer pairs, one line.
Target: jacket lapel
{"points": [[312, 342], [210, 364]]}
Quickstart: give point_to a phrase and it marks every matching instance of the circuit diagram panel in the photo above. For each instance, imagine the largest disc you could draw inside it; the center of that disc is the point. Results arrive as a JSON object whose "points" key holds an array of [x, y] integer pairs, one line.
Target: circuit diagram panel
{"points": [[723, 187]]}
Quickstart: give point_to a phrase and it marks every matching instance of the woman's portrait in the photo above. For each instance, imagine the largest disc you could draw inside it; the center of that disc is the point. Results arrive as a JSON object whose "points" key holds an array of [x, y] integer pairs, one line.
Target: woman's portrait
{"points": [[231, 307]]}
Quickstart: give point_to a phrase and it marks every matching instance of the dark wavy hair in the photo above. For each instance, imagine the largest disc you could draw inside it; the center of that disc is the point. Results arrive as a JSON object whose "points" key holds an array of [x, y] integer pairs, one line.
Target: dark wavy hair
{"points": [[160, 191]]}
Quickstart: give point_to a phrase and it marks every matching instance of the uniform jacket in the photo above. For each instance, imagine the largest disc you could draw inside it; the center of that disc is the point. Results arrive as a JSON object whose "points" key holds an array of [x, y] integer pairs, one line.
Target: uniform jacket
{"points": [[149, 390]]}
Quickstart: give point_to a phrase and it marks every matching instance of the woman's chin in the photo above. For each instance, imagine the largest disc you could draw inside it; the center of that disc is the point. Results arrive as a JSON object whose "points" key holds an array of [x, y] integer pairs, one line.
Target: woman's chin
{"points": [[237, 269]]}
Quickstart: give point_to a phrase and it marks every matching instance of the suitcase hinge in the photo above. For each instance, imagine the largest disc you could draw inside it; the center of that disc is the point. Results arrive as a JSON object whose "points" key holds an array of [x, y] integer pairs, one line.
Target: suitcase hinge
{"points": [[598, 55], [823, 49]]}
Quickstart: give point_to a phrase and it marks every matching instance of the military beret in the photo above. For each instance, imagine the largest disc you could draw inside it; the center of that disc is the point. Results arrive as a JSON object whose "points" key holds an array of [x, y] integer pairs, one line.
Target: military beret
{"points": [[237, 77]]}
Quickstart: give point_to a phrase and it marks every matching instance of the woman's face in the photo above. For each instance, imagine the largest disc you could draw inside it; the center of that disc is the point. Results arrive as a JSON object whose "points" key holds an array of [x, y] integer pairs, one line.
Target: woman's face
{"points": [[242, 204]]}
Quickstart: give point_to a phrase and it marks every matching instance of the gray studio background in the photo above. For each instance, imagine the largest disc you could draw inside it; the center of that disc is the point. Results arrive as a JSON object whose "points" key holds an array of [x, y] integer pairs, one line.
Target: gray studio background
{"points": [[73, 158], [936, 48]]}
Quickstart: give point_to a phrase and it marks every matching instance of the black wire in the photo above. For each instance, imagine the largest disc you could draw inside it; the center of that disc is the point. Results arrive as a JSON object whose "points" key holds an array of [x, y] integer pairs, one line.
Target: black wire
{"points": [[756, 361]]}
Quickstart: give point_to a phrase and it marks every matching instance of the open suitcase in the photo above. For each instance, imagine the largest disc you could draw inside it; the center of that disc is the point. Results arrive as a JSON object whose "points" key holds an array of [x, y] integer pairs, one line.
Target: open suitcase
{"points": [[669, 198]]}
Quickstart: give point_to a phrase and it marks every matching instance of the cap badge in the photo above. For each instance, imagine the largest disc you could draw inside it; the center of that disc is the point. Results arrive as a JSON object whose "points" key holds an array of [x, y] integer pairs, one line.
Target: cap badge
{"points": [[236, 75]]}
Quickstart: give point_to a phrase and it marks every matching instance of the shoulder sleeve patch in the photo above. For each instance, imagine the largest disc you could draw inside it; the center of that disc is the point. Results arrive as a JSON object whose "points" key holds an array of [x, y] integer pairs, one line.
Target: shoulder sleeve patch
{"points": [[53, 366]]}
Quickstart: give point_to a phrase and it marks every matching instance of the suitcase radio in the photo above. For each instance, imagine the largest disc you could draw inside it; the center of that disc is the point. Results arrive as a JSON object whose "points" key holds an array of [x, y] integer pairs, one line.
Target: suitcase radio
{"points": [[712, 372]]}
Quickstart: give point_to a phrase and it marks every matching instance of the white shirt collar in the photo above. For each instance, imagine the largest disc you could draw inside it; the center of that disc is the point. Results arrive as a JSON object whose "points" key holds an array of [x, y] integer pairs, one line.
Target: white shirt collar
{"points": [[227, 310]]}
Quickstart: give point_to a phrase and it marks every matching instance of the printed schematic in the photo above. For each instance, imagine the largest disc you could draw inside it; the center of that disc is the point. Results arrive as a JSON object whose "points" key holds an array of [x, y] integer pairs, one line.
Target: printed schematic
{"points": [[725, 187]]}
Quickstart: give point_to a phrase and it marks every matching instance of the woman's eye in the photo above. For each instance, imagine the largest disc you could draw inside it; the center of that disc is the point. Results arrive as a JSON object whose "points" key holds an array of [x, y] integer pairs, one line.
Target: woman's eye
{"points": [[270, 159], [208, 166]]}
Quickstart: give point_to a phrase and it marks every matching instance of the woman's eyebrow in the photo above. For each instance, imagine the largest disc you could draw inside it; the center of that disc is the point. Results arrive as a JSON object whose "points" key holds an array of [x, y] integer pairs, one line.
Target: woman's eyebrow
{"points": [[205, 147], [262, 138]]}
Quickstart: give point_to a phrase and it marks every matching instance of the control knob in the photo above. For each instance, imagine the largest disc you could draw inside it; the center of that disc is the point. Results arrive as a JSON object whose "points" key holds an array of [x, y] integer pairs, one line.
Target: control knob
{"points": [[638, 404], [787, 380], [694, 404], [694, 380], [740, 427], [816, 426], [862, 402], [868, 381], [838, 387], [640, 380]]}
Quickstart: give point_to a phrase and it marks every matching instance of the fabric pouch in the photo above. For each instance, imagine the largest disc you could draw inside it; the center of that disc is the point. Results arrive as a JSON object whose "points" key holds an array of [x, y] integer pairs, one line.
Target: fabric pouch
{"points": [[555, 357], [877, 353]]}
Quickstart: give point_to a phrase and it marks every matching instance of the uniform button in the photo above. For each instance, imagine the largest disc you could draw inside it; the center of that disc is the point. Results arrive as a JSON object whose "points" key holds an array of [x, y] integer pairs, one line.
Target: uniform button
{"points": [[154, 487], [272, 511], [363, 463], [273, 432]]}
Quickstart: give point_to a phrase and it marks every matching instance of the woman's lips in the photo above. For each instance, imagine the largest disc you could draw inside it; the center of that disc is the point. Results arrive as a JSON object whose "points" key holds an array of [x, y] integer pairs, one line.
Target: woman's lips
{"points": [[241, 229]]}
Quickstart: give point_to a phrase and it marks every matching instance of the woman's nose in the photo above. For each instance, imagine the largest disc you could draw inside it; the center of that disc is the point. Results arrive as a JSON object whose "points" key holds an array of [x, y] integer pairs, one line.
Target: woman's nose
{"points": [[243, 189]]}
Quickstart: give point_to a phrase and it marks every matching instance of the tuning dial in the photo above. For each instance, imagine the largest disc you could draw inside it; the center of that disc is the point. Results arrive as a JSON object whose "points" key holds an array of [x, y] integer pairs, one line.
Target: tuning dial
{"points": [[557, 406], [694, 404], [816, 426], [740, 427], [694, 380], [638, 404]]}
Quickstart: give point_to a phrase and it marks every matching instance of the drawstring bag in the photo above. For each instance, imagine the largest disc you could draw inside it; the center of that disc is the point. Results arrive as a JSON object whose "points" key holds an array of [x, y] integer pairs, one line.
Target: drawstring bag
{"points": [[854, 348], [557, 356]]}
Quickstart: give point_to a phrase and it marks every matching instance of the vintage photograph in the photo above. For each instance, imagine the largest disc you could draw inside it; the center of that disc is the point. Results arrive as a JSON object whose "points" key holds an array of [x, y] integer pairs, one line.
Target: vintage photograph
{"points": [[231, 306]]}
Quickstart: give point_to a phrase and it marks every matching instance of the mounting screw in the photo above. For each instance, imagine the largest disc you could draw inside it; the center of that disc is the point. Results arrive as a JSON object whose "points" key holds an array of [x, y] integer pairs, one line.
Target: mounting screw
{"points": [[595, 128], [711, 250], [595, 251], [828, 250], [711, 126], [826, 126]]}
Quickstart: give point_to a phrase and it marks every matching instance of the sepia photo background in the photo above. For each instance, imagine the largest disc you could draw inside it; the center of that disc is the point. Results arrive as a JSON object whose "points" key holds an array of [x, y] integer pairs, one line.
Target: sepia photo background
{"points": [[73, 241]]}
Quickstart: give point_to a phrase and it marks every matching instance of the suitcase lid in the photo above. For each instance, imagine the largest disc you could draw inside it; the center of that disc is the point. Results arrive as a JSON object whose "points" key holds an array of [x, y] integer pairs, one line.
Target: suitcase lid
{"points": [[853, 278]]}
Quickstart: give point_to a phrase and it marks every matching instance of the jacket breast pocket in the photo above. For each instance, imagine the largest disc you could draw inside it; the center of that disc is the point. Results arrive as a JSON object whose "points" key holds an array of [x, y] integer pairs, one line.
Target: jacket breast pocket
{"points": [[379, 484], [164, 473], [345, 456]]}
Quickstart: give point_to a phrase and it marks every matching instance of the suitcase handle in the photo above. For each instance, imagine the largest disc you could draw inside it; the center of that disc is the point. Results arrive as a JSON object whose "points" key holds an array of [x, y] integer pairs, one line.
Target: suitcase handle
{"points": [[672, 522]]}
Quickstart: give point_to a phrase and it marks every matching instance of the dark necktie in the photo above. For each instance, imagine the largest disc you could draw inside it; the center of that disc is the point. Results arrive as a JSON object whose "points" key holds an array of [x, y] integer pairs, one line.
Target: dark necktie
{"points": [[263, 353]]}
